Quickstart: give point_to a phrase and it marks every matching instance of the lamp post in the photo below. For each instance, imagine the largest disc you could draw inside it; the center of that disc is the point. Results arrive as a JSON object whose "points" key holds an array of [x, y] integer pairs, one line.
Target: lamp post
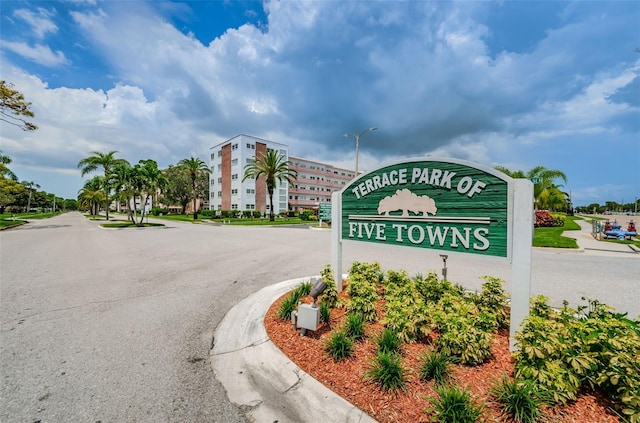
{"points": [[357, 137]]}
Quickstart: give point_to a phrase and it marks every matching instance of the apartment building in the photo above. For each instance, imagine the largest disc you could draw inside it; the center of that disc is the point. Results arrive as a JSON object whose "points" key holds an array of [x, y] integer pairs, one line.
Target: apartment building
{"points": [[226, 189], [315, 183]]}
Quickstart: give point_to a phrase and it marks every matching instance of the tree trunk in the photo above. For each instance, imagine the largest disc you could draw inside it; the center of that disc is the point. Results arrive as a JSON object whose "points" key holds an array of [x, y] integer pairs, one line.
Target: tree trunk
{"points": [[271, 215], [195, 211]]}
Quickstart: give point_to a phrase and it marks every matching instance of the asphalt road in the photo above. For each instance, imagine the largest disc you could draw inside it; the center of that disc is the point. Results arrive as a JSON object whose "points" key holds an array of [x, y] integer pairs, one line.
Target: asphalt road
{"points": [[105, 325]]}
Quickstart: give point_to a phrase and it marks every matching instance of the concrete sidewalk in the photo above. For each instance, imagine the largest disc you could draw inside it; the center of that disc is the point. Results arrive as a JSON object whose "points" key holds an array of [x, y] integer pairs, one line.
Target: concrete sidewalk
{"points": [[261, 380]]}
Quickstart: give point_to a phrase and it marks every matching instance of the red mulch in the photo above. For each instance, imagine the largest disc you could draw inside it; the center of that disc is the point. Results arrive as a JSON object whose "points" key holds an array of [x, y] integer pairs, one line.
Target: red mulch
{"points": [[346, 378]]}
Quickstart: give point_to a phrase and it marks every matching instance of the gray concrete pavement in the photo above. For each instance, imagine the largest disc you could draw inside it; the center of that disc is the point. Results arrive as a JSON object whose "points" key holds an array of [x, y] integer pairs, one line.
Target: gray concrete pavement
{"points": [[116, 325]]}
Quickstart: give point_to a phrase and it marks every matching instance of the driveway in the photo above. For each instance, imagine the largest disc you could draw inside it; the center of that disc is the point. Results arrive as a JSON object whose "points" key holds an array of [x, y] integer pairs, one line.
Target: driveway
{"points": [[116, 325]]}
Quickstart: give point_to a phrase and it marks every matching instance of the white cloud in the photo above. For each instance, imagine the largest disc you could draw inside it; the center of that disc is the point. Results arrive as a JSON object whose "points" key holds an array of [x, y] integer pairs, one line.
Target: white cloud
{"points": [[420, 71], [40, 21], [39, 53]]}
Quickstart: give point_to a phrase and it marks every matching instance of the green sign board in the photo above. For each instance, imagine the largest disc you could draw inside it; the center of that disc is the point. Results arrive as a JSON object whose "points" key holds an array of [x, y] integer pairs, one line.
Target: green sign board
{"points": [[324, 212], [443, 204]]}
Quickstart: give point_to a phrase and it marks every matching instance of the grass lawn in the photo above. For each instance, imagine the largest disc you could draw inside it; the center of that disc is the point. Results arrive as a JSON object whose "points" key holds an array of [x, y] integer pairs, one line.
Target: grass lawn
{"points": [[15, 219], [552, 237]]}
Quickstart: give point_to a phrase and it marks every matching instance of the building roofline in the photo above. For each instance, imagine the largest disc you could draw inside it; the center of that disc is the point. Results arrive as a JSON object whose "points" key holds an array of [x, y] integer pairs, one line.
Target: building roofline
{"points": [[249, 136], [321, 163]]}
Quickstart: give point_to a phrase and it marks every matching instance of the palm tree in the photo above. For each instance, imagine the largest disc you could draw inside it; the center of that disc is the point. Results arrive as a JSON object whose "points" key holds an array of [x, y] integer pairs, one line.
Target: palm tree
{"points": [[91, 194], [30, 185], [104, 160], [150, 179], [274, 168], [545, 193], [195, 167], [120, 180]]}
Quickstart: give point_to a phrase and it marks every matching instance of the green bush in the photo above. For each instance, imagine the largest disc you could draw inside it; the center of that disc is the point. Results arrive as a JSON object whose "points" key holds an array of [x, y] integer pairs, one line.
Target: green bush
{"points": [[388, 342], [354, 326], [339, 345], [157, 210], [290, 303], [363, 290], [207, 213], [325, 313], [435, 366], [518, 399], [387, 370], [454, 405], [330, 295], [405, 308], [562, 351]]}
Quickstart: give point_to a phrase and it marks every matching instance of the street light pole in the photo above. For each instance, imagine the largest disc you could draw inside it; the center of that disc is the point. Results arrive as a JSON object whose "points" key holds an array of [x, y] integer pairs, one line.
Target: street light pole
{"points": [[357, 137]]}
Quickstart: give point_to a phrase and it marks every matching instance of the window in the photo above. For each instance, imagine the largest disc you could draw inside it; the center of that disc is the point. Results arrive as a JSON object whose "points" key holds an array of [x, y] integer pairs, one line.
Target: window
{"points": [[234, 207], [219, 180], [250, 160], [251, 191], [251, 146], [213, 156], [220, 167], [219, 153], [234, 191], [220, 194], [251, 206], [234, 162], [213, 182], [234, 147], [234, 176]]}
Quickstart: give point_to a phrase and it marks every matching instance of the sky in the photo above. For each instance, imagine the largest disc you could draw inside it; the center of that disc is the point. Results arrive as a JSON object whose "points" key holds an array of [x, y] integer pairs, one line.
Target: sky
{"points": [[516, 84]]}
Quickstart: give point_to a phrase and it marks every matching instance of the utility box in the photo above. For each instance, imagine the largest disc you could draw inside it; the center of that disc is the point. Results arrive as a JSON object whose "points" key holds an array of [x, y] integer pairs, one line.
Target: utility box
{"points": [[308, 316]]}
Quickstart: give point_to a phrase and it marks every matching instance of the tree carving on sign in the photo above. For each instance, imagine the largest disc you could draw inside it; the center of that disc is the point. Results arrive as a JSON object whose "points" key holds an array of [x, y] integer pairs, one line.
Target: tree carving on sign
{"points": [[407, 201]]}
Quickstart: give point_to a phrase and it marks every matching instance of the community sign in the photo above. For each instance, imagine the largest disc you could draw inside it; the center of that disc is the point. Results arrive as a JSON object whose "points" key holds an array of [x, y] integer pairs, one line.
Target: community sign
{"points": [[441, 204], [436, 204]]}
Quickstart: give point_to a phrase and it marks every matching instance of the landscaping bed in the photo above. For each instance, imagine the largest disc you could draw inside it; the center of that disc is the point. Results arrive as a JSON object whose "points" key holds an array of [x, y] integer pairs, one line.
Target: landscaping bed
{"points": [[488, 360]]}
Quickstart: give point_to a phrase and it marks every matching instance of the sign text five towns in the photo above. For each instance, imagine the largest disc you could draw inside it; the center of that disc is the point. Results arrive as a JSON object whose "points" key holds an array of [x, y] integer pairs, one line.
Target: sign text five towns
{"points": [[430, 204]]}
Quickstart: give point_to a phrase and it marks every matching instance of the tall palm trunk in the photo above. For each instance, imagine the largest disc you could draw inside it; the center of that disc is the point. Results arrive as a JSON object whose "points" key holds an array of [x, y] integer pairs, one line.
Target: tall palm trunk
{"points": [[271, 215]]}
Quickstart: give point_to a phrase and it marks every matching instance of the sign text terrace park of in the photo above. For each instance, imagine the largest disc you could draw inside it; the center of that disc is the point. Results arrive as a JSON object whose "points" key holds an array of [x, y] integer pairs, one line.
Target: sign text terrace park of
{"points": [[441, 204]]}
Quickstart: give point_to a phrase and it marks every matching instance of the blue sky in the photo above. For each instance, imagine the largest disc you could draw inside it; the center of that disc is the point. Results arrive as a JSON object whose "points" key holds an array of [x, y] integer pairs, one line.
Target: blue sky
{"points": [[517, 84]]}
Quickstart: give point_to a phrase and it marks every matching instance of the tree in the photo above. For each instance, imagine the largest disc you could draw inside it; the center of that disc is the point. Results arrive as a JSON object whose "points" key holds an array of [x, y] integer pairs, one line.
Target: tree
{"points": [[4, 169], [194, 166], [91, 195], [274, 168], [148, 179], [104, 160], [120, 181], [29, 186], [9, 191], [179, 189], [545, 192], [13, 108]]}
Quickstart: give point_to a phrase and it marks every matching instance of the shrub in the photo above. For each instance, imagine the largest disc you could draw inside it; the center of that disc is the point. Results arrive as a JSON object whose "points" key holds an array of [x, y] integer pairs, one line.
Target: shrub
{"points": [[354, 326], [325, 314], [388, 342], [339, 345], [517, 399], [435, 366], [405, 309], [205, 213], [330, 295], [363, 289], [454, 405], [290, 303], [387, 370]]}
